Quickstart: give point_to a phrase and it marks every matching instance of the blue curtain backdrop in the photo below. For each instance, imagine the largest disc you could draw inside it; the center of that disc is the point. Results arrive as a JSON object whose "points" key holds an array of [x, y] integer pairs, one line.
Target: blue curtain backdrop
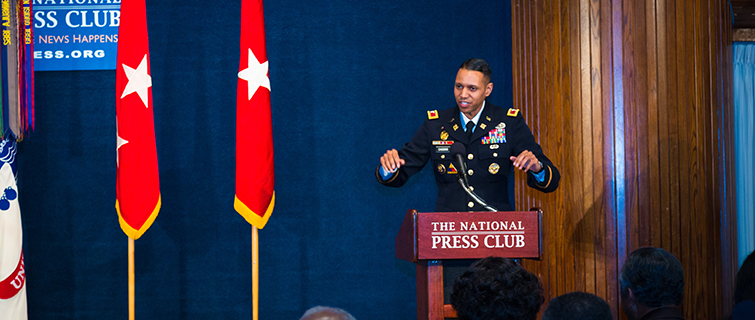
{"points": [[744, 144], [349, 80]]}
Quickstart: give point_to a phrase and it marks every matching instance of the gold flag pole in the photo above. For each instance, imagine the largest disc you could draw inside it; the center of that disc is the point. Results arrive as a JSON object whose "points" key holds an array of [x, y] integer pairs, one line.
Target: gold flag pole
{"points": [[255, 274], [131, 286]]}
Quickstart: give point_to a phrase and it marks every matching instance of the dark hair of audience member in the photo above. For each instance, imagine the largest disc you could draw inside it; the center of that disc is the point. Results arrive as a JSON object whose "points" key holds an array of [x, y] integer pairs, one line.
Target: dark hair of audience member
{"points": [[577, 306], [744, 286], [655, 276], [496, 288]]}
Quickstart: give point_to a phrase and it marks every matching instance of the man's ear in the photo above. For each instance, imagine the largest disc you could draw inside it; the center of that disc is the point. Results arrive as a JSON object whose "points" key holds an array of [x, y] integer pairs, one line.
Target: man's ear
{"points": [[488, 89], [630, 296]]}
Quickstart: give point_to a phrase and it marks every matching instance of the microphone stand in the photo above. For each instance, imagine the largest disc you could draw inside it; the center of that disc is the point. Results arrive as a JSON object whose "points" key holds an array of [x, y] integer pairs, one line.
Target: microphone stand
{"points": [[464, 182], [475, 197]]}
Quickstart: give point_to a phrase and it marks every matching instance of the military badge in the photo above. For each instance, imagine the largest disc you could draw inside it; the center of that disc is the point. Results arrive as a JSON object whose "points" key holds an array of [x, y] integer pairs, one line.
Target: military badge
{"points": [[456, 127], [441, 169], [493, 168], [493, 146], [497, 135], [483, 126], [486, 117], [512, 112], [443, 135], [451, 169], [432, 114], [501, 126]]}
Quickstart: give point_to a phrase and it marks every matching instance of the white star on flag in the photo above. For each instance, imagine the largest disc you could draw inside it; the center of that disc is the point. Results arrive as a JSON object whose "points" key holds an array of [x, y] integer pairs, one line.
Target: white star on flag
{"points": [[255, 74], [138, 81], [119, 142]]}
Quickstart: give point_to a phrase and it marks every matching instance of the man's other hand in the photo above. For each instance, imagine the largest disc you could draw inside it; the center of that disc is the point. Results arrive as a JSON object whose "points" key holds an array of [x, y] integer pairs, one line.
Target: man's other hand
{"points": [[527, 161], [391, 161]]}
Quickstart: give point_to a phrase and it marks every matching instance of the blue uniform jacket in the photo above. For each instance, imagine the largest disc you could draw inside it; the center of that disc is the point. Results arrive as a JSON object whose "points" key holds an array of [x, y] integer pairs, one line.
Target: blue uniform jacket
{"points": [[500, 133]]}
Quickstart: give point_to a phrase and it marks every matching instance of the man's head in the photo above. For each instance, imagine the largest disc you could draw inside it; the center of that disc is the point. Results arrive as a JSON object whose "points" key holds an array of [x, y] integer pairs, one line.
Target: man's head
{"points": [[497, 289], [326, 313], [472, 86], [577, 306], [651, 278], [744, 287]]}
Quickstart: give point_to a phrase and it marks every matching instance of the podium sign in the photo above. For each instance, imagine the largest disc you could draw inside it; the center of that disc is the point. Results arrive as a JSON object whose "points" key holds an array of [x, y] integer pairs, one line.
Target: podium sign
{"points": [[468, 235]]}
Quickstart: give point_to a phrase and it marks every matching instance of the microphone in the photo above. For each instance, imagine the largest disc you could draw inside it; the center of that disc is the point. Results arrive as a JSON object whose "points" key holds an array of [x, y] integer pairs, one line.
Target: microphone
{"points": [[458, 151]]}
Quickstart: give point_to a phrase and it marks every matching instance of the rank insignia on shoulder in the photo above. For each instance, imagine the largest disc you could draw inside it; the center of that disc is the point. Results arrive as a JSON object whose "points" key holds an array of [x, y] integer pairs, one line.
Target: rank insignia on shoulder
{"points": [[432, 114], [512, 112]]}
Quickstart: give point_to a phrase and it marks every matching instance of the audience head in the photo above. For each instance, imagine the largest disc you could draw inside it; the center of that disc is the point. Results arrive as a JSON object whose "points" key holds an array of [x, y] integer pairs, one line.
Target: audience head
{"points": [[326, 313], [744, 287], [497, 289], [744, 290], [651, 278], [577, 306]]}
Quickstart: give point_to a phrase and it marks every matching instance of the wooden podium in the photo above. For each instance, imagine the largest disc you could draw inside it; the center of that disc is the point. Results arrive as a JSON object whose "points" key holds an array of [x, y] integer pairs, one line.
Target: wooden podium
{"points": [[428, 238]]}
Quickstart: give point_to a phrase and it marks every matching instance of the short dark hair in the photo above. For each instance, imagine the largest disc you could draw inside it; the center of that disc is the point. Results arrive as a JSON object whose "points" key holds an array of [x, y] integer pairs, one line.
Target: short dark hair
{"points": [[577, 306], [744, 286], [480, 65], [497, 289], [655, 276]]}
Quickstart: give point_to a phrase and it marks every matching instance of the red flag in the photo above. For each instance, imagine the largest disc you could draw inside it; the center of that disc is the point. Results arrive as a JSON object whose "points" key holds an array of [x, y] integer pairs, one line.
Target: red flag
{"points": [[255, 177], [137, 183]]}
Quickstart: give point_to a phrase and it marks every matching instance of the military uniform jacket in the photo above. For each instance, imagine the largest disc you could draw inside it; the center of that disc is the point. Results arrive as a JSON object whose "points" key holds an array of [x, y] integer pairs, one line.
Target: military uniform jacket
{"points": [[500, 133]]}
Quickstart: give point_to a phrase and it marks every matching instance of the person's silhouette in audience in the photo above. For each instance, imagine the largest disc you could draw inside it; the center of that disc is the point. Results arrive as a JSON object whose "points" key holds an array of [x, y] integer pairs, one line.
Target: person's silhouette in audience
{"points": [[577, 306], [497, 289], [326, 313], [652, 285], [744, 290]]}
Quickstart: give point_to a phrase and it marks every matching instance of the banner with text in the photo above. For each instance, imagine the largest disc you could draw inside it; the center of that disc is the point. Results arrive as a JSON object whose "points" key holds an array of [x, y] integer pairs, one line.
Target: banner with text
{"points": [[75, 34]]}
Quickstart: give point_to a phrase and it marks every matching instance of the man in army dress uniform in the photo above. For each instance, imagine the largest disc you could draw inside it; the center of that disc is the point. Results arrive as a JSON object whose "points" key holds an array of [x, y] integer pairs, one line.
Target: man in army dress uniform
{"points": [[494, 138]]}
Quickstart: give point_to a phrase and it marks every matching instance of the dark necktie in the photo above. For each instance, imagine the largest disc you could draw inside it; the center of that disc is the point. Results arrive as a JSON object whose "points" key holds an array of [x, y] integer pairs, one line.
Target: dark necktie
{"points": [[470, 130]]}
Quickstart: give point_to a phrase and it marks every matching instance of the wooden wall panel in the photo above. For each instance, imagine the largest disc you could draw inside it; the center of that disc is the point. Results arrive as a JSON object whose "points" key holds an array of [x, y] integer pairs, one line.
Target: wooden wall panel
{"points": [[632, 101]]}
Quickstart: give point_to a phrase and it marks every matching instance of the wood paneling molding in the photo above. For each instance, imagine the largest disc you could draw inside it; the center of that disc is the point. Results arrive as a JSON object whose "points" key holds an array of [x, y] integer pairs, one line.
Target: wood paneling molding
{"points": [[632, 101]]}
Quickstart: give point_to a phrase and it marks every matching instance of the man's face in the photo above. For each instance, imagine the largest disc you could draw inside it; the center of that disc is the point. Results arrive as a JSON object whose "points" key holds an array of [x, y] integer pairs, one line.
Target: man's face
{"points": [[470, 90]]}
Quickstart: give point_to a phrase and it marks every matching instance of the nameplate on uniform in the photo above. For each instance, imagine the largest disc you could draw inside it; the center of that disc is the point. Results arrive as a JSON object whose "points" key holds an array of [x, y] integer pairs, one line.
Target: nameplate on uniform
{"points": [[442, 149]]}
